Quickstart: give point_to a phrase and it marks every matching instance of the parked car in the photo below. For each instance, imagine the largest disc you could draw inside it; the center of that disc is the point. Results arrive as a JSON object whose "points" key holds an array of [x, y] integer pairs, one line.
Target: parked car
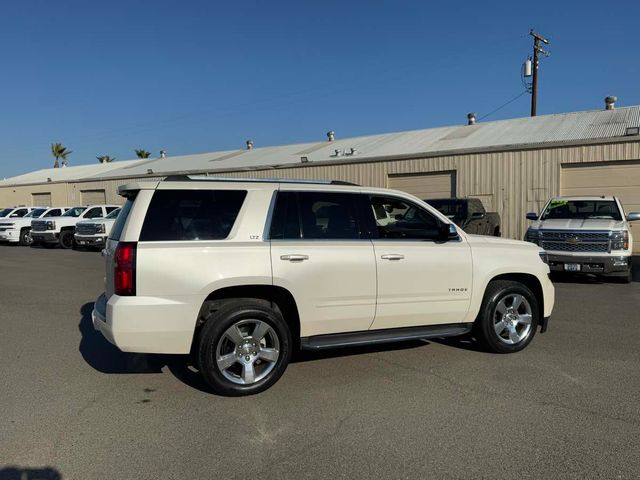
{"points": [[94, 233], [240, 272], [469, 214], [586, 234], [18, 230], [60, 230]]}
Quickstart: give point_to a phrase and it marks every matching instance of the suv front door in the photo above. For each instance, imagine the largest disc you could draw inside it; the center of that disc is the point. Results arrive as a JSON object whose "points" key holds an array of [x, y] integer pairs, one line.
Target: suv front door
{"points": [[422, 279], [321, 256]]}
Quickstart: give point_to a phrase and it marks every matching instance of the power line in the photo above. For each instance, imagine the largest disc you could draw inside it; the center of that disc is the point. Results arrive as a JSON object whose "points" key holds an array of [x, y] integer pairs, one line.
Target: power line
{"points": [[504, 105]]}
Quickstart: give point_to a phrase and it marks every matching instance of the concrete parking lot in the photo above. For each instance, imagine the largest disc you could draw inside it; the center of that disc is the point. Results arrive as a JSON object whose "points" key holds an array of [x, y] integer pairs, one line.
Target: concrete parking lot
{"points": [[74, 407]]}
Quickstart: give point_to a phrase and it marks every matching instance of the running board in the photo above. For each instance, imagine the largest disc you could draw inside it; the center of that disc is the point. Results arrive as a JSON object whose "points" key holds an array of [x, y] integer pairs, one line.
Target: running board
{"points": [[369, 337]]}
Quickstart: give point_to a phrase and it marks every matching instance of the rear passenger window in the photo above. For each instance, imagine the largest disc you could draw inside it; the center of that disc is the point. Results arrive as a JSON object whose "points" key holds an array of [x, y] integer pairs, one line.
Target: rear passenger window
{"points": [[191, 214], [315, 216]]}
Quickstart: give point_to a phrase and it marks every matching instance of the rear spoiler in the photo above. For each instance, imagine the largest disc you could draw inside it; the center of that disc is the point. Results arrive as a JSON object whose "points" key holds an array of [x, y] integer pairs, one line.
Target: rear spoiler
{"points": [[130, 190]]}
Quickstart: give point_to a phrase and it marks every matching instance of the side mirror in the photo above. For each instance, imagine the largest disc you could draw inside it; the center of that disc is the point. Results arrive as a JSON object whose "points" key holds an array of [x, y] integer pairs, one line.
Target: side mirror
{"points": [[448, 231], [633, 216], [532, 216]]}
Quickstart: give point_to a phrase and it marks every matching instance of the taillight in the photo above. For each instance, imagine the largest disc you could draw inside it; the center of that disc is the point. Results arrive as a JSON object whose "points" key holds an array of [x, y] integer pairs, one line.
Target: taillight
{"points": [[124, 269]]}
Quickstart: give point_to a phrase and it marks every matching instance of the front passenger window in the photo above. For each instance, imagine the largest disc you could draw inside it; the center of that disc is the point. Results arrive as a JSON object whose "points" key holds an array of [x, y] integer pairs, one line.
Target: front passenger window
{"points": [[95, 212], [403, 220]]}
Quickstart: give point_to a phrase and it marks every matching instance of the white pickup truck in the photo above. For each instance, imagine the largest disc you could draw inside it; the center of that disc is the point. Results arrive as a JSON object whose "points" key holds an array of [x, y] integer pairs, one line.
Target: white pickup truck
{"points": [[94, 233], [60, 230], [587, 234], [18, 229]]}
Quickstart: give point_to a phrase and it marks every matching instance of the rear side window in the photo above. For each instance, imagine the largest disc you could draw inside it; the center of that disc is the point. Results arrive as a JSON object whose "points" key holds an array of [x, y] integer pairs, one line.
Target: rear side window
{"points": [[315, 216], [191, 215], [118, 225]]}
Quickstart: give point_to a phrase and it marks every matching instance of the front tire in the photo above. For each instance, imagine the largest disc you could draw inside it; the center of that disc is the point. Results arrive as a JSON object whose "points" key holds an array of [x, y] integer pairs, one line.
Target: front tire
{"points": [[25, 237], [244, 347], [66, 239], [508, 318]]}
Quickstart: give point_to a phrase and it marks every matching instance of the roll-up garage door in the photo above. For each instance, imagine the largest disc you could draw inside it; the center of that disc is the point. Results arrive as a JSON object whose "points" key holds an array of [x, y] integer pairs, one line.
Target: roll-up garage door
{"points": [[93, 197], [619, 179], [42, 199], [425, 185]]}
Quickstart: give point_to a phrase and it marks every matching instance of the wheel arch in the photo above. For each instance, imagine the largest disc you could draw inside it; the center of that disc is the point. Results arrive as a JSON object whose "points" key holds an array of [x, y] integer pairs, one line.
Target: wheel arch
{"points": [[527, 279], [275, 295]]}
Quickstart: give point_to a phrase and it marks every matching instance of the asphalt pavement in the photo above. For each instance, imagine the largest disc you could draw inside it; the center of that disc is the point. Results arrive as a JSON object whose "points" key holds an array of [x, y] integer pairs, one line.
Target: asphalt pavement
{"points": [[74, 407]]}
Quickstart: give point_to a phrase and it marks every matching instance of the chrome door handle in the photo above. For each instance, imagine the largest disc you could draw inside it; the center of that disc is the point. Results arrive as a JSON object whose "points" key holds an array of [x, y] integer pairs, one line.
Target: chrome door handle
{"points": [[392, 256], [294, 258]]}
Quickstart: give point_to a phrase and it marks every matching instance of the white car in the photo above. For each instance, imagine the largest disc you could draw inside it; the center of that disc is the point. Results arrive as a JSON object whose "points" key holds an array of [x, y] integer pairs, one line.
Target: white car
{"points": [[240, 273], [94, 233], [60, 230], [18, 229], [586, 234]]}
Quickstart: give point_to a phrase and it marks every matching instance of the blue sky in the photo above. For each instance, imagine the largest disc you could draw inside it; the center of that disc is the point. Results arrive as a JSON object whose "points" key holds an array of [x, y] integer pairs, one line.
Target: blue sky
{"points": [[197, 76]]}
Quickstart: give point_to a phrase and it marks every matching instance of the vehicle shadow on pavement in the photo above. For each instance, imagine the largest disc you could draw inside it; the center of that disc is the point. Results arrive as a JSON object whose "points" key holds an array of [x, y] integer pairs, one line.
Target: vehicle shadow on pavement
{"points": [[16, 473], [106, 358]]}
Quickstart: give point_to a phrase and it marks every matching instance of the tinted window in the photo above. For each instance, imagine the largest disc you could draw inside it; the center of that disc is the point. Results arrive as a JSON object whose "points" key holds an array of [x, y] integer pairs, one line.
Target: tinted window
{"points": [[74, 212], [52, 213], [328, 216], [118, 225], [285, 223], [35, 213], [19, 213], [403, 220], [191, 214], [94, 212], [111, 209]]}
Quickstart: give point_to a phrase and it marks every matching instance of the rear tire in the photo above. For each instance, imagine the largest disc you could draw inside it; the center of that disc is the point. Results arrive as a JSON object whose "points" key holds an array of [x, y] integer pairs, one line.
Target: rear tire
{"points": [[508, 318], [244, 347], [66, 239]]}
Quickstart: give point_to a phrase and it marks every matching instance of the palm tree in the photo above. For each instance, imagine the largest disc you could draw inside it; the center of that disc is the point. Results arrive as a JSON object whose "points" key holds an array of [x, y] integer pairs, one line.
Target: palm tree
{"points": [[140, 153], [105, 159], [59, 151]]}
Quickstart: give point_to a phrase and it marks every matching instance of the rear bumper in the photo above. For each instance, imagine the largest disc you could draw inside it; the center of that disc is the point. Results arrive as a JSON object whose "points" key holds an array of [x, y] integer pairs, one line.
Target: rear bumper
{"points": [[92, 241], [44, 237], [147, 324], [603, 264]]}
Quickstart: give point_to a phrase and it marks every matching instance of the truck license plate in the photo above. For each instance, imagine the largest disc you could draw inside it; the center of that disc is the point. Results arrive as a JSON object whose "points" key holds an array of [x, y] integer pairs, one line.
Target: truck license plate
{"points": [[572, 267]]}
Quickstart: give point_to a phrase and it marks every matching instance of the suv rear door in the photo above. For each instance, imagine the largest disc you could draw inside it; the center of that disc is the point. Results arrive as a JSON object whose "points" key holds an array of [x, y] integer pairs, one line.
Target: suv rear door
{"points": [[320, 254]]}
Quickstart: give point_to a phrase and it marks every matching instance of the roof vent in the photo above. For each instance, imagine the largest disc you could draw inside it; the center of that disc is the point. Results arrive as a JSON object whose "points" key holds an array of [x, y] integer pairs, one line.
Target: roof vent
{"points": [[352, 151], [249, 144], [610, 102], [163, 154], [150, 171], [48, 179], [632, 131], [471, 118], [304, 159], [337, 153], [331, 135]]}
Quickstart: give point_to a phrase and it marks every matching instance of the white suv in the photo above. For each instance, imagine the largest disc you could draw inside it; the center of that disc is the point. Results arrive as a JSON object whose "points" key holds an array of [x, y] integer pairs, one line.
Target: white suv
{"points": [[60, 230], [240, 273], [18, 229]]}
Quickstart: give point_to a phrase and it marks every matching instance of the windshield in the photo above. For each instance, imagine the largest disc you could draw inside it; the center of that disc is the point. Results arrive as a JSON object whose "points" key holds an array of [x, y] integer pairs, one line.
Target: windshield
{"points": [[35, 213], [114, 214], [74, 212], [5, 211], [451, 208], [582, 209]]}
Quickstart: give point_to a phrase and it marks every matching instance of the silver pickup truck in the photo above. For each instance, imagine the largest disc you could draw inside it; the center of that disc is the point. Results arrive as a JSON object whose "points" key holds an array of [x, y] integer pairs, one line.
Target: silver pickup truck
{"points": [[585, 235]]}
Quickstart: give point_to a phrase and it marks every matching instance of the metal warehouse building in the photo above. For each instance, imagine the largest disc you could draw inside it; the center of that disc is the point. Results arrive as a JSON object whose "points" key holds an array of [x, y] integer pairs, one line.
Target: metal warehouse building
{"points": [[513, 166]]}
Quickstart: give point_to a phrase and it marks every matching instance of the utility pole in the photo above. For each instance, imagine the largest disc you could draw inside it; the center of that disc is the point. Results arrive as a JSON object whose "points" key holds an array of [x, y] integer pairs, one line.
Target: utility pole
{"points": [[536, 49]]}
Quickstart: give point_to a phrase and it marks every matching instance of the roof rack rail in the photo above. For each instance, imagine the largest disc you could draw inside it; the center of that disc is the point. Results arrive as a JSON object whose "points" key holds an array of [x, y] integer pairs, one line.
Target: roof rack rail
{"points": [[201, 178]]}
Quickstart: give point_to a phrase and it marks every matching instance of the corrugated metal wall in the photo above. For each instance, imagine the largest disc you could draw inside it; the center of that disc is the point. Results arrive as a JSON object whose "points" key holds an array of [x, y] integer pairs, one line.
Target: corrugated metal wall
{"points": [[514, 182]]}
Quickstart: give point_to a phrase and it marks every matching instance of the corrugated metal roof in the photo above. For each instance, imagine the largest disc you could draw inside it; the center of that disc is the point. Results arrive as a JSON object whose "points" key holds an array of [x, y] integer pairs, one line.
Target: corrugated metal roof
{"points": [[556, 128]]}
